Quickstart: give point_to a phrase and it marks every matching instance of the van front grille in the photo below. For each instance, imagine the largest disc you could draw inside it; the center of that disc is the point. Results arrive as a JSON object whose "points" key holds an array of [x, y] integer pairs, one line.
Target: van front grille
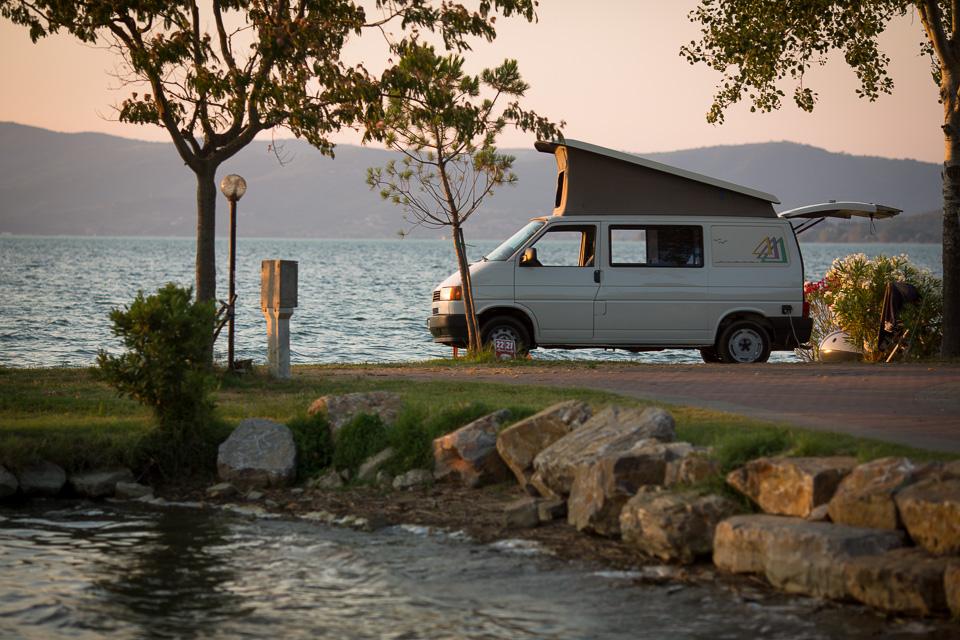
{"points": [[436, 295]]}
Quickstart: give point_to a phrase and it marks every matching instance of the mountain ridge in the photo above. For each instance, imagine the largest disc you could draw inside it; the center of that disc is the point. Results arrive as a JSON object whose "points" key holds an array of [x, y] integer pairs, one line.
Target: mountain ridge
{"points": [[98, 184]]}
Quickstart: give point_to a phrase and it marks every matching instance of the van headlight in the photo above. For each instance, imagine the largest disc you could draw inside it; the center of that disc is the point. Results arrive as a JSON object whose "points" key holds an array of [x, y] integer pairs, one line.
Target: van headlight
{"points": [[451, 293]]}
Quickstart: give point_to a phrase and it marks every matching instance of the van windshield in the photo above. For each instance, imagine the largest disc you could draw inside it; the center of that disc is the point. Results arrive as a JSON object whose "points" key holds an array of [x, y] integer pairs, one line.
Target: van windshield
{"points": [[506, 250]]}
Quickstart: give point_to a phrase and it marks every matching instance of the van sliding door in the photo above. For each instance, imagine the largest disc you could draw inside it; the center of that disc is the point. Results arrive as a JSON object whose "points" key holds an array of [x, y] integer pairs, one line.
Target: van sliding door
{"points": [[653, 286]]}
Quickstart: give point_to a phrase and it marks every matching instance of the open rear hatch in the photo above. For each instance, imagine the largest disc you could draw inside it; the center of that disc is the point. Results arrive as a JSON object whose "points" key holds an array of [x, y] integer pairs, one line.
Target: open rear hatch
{"points": [[814, 214]]}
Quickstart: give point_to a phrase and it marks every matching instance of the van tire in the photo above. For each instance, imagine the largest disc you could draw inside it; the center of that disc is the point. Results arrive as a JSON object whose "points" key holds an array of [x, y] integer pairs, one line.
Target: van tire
{"points": [[506, 328], [743, 342]]}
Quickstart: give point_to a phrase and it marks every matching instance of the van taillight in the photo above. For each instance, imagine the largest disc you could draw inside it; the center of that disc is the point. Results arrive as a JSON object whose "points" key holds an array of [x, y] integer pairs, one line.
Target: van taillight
{"points": [[806, 309]]}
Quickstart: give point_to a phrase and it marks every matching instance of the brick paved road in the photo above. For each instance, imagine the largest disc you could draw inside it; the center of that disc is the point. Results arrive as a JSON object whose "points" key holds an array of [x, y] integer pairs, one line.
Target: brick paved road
{"points": [[912, 404]]}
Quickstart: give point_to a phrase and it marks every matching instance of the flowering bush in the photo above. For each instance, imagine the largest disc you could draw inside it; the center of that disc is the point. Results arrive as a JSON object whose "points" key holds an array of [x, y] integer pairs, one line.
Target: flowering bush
{"points": [[850, 297]]}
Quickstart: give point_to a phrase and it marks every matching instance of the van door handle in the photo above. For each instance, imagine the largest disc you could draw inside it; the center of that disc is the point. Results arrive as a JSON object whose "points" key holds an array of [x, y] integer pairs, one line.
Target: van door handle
{"points": [[596, 276]]}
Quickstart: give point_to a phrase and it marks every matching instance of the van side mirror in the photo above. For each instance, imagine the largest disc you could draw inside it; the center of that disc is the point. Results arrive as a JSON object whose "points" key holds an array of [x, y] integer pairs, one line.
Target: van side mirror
{"points": [[529, 258]]}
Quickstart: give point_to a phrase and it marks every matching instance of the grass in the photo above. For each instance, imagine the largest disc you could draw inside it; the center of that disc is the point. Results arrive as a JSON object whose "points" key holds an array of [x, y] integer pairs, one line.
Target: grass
{"points": [[68, 417]]}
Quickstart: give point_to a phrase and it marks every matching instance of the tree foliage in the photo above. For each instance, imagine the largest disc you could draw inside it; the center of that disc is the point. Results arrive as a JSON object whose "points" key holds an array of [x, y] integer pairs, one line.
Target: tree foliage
{"points": [[222, 71], [444, 123], [762, 45]]}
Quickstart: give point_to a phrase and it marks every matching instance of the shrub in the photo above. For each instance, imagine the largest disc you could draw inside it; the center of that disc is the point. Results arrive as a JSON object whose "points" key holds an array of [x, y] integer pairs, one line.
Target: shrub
{"points": [[850, 297], [362, 437], [314, 444], [168, 340]]}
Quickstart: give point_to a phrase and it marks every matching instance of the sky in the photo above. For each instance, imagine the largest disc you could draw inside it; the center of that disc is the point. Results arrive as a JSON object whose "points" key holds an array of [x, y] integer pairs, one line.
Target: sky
{"points": [[611, 69]]}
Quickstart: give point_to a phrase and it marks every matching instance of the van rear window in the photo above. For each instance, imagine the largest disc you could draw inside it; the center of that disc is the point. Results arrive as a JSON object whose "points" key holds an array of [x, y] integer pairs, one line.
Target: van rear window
{"points": [[656, 246]]}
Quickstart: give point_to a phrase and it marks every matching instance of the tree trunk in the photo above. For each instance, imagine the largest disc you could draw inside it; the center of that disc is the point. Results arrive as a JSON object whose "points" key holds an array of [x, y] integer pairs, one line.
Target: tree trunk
{"points": [[206, 234], [473, 330], [951, 214]]}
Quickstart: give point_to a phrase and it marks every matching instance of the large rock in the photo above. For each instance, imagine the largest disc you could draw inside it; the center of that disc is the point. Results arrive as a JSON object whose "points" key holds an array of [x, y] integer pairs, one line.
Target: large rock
{"points": [[930, 511], [520, 443], [100, 484], [676, 527], [601, 487], [691, 470], [469, 454], [259, 453], [42, 479], [796, 555], [339, 410], [791, 486], [610, 432], [865, 498], [908, 581], [951, 585], [8, 483]]}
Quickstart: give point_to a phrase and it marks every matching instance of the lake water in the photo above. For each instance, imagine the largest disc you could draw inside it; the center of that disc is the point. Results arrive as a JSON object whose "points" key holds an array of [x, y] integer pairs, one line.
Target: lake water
{"points": [[359, 300], [94, 571]]}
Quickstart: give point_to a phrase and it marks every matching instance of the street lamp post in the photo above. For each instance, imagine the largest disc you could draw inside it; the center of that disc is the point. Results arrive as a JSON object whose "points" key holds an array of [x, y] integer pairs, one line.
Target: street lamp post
{"points": [[233, 187]]}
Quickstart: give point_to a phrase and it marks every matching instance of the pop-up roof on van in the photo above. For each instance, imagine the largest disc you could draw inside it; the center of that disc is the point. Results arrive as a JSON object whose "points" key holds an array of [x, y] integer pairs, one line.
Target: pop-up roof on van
{"points": [[592, 180]]}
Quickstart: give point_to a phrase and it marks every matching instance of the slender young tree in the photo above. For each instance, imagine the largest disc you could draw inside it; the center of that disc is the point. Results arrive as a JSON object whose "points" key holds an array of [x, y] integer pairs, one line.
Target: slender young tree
{"points": [[759, 44], [220, 72], [444, 123]]}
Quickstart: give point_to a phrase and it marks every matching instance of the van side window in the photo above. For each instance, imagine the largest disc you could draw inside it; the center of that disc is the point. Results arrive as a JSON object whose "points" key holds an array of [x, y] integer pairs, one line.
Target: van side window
{"points": [[567, 246], [656, 246]]}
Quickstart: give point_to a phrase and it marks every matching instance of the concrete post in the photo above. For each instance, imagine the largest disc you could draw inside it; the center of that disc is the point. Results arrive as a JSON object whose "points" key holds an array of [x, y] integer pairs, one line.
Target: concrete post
{"points": [[278, 298]]}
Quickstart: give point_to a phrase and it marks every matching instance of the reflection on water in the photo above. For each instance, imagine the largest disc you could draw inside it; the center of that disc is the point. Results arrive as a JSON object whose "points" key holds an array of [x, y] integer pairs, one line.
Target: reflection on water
{"points": [[116, 571]]}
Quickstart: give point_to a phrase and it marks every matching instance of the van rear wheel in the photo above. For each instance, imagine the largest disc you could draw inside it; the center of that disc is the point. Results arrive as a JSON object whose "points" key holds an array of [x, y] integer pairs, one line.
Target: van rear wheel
{"points": [[505, 328], [743, 342]]}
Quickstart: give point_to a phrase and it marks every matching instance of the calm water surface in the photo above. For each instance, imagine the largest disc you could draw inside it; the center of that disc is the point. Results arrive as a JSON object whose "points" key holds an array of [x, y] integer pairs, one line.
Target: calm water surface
{"points": [[89, 571], [359, 300]]}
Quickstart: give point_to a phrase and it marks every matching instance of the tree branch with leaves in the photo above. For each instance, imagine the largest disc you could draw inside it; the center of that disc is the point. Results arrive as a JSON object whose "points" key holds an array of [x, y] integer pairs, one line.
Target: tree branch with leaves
{"points": [[761, 45], [444, 124]]}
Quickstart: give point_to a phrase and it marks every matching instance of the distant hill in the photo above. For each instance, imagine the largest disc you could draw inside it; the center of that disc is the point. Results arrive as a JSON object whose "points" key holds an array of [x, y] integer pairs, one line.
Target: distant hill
{"points": [[95, 184]]}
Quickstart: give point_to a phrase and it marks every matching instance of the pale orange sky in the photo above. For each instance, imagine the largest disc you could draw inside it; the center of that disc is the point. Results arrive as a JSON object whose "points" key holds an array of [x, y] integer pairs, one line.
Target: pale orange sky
{"points": [[610, 68]]}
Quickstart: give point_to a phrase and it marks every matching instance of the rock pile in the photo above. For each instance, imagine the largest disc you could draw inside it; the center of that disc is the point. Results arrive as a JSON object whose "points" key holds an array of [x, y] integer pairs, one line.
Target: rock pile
{"points": [[885, 533]]}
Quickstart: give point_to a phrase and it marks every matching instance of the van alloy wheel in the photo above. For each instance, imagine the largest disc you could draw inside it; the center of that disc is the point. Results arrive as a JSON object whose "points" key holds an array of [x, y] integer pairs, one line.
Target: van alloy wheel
{"points": [[743, 342], [505, 328]]}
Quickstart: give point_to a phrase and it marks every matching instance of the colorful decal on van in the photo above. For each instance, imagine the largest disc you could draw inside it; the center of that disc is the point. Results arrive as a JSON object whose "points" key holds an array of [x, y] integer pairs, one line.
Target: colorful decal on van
{"points": [[771, 250], [740, 246]]}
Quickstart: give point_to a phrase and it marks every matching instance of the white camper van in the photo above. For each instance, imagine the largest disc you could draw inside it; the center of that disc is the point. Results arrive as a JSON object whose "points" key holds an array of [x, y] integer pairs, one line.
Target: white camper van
{"points": [[642, 256]]}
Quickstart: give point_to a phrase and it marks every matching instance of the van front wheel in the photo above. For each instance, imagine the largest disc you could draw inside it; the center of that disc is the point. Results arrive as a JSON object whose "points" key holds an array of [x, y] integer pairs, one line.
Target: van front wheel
{"points": [[505, 328], [743, 342]]}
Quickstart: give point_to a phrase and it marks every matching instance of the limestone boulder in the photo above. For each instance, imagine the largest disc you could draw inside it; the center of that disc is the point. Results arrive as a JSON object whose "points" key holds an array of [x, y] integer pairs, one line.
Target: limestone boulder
{"points": [[930, 511], [259, 453], [601, 487], [673, 526], [339, 410], [865, 498], [791, 486], [520, 443], [413, 478], [951, 587], [610, 432], [521, 514], [100, 484], [371, 466], [42, 479], [796, 555], [908, 581], [132, 490], [693, 469], [8, 483], [469, 455]]}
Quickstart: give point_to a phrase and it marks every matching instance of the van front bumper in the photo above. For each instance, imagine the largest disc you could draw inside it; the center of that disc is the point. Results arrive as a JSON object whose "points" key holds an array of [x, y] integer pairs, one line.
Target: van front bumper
{"points": [[449, 329]]}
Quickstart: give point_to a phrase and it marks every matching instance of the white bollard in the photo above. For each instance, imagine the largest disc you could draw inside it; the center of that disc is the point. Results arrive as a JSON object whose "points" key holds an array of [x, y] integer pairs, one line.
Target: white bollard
{"points": [[278, 298]]}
